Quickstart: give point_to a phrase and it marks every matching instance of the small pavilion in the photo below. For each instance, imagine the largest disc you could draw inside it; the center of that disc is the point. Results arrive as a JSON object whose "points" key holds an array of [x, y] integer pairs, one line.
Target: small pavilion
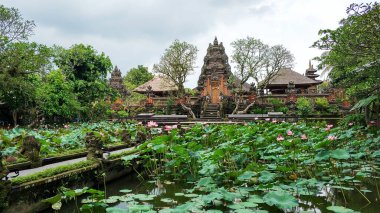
{"points": [[303, 83], [158, 86]]}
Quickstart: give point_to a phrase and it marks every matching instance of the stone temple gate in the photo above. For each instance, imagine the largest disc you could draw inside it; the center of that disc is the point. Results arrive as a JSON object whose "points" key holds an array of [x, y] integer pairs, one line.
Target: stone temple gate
{"points": [[215, 73]]}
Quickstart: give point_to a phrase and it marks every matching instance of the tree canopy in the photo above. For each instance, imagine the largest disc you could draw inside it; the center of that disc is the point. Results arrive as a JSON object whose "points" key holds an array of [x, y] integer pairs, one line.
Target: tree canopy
{"points": [[12, 26], [177, 63], [353, 51], [87, 69], [137, 76], [257, 61]]}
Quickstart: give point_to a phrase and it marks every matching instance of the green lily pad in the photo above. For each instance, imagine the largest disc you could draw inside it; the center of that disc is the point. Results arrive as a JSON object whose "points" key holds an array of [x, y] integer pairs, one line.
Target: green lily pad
{"points": [[167, 200], [340, 209], [115, 210], [125, 191], [266, 177], [281, 199], [191, 195], [247, 175], [255, 199], [340, 154]]}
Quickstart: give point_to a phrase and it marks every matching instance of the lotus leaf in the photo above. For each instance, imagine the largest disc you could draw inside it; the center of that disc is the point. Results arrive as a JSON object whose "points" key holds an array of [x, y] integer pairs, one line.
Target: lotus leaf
{"points": [[281, 199], [340, 209]]}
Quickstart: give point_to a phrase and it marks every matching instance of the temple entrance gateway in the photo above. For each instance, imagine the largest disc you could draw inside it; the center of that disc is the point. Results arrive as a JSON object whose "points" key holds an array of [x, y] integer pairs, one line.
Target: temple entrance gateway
{"points": [[215, 92], [213, 79]]}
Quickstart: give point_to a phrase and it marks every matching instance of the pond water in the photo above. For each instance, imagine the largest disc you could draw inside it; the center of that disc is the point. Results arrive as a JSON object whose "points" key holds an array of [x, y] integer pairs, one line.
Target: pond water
{"points": [[168, 194]]}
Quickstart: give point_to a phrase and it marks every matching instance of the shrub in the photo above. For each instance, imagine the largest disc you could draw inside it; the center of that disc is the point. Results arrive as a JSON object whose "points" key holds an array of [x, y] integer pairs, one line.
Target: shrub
{"points": [[354, 119], [122, 114], [321, 103], [304, 107]]}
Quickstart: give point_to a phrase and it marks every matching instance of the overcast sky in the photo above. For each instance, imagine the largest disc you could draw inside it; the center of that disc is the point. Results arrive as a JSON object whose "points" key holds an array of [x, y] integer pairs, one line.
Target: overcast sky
{"points": [[137, 32]]}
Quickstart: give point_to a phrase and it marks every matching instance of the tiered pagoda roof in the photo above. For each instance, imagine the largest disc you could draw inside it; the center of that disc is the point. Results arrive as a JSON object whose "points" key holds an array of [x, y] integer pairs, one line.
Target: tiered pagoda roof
{"points": [[116, 82], [215, 63], [311, 72]]}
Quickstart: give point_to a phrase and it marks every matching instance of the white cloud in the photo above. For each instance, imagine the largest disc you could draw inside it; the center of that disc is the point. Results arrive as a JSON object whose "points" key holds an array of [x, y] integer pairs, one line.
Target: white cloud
{"points": [[137, 32]]}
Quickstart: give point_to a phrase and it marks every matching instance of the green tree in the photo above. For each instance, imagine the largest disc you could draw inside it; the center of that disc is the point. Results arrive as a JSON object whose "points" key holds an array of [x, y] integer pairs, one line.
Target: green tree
{"points": [[353, 52], [56, 97], [257, 61], [21, 66], [87, 70], [137, 76], [177, 63], [12, 26]]}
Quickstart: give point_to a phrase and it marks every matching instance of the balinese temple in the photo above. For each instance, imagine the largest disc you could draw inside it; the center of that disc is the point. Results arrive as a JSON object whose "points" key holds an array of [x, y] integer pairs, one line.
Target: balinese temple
{"points": [[311, 72], [158, 86], [303, 83], [215, 73], [116, 82]]}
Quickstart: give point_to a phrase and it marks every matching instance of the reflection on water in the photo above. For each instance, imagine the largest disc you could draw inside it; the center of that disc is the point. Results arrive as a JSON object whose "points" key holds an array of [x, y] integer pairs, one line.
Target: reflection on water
{"points": [[327, 196]]}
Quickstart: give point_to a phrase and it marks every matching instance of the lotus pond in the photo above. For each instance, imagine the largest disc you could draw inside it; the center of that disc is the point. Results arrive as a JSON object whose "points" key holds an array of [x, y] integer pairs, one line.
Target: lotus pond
{"points": [[257, 167], [65, 140]]}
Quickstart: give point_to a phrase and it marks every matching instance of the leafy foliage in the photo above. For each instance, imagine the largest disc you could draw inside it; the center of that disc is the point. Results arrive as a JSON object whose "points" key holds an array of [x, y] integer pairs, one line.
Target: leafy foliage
{"points": [[137, 76], [177, 63], [304, 106], [353, 50]]}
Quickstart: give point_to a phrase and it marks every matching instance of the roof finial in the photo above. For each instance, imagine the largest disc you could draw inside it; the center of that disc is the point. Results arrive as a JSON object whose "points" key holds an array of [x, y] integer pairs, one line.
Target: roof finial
{"points": [[310, 66], [215, 41]]}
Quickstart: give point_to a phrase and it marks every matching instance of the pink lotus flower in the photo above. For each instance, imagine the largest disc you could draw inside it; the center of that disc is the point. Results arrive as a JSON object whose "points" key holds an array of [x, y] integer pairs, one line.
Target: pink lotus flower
{"points": [[332, 137], [280, 138], [267, 119], [303, 137], [351, 123], [330, 126], [101, 133], [167, 128], [151, 124], [274, 121], [256, 118], [66, 126], [290, 133]]}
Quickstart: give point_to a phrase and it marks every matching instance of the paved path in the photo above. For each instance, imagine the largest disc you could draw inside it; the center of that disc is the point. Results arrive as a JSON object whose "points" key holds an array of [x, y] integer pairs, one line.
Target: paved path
{"points": [[67, 162]]}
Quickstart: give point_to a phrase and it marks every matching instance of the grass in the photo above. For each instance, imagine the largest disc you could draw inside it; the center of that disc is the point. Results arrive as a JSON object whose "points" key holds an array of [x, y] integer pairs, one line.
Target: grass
{"points": [[121, 154], [51, 172]]}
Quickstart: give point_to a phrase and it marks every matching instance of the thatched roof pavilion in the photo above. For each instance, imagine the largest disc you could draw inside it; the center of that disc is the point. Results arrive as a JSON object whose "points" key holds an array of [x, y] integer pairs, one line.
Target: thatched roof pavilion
{"points": [[278, 84], [160, 86]]}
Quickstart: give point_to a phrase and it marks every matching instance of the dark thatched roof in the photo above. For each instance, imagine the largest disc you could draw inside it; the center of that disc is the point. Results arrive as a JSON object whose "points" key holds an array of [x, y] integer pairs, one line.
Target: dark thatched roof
{"points": [[158, 84], [284, 76]]}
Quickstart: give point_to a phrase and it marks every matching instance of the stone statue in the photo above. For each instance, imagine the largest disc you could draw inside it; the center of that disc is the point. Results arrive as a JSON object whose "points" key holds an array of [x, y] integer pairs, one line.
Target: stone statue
{"points": [[30, 148], [94, 147], [140, 137], [126, 137]]}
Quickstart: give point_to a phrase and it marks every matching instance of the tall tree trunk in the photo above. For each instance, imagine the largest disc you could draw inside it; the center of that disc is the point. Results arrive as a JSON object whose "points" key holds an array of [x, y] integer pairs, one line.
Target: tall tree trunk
{"points": [[188, 109], [14, 117], [247, 108], [237, 105]]}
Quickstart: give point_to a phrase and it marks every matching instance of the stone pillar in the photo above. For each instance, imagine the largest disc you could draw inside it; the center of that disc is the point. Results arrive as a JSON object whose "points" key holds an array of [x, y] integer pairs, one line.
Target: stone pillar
{"points": [[126, 137], [94, 147], [5, 185], [30, 148], [140, 137]]}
